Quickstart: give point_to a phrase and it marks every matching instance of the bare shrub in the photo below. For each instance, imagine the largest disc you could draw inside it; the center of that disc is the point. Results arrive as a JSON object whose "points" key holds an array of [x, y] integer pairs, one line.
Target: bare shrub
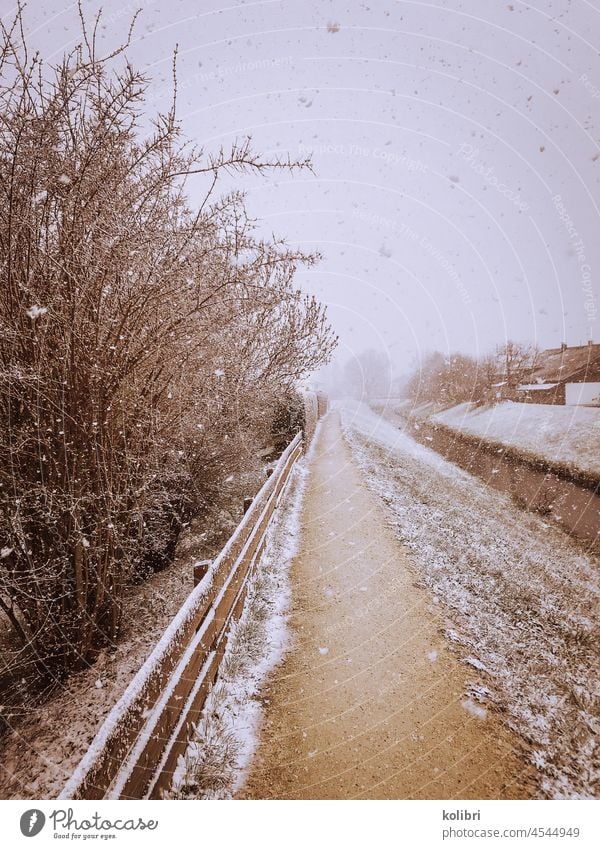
{"points": [[142, 343]]}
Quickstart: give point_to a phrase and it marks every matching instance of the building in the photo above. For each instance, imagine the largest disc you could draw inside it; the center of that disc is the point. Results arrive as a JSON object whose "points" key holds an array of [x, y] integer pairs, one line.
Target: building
{"points": [[564, 376]]}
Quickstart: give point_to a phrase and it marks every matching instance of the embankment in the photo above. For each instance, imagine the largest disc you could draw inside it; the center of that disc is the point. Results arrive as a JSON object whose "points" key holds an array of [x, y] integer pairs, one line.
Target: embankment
{"points": [[568, 497]]}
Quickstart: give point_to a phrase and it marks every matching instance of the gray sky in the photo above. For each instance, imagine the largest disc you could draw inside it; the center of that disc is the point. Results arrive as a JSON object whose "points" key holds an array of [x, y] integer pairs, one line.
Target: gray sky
{"points": [[455, 198]]}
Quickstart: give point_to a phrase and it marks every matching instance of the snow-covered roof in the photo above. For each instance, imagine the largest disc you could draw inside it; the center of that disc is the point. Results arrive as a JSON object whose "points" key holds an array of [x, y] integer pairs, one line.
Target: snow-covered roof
{"points": [[558, 364], [530, 386]]}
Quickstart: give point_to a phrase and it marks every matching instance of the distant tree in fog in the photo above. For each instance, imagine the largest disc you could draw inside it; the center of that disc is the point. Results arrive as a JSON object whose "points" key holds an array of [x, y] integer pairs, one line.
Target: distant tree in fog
{"points": [[459, 377], [368, 375], [445, 379]]}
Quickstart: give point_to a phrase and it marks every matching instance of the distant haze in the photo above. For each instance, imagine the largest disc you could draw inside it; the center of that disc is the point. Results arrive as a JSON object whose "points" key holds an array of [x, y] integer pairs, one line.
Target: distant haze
{"points": [[455, 194]]}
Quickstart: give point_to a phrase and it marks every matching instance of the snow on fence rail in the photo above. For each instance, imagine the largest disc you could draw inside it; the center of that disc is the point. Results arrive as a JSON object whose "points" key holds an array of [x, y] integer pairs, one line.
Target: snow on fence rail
{"points": [[134, 754]]}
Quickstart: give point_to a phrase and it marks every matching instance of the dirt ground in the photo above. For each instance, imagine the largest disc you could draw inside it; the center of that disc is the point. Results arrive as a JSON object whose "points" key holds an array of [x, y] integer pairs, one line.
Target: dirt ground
{"points": [[370, 702], [47, 741]]}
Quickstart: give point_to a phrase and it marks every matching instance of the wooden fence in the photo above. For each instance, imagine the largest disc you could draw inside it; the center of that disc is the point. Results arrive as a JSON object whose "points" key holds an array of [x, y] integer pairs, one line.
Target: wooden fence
{"points": [[135, 752]]}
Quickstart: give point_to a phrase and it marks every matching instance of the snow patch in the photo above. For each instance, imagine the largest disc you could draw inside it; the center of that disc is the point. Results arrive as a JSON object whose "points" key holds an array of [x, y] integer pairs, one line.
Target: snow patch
{"points": [[556, 433], [477, 664]]}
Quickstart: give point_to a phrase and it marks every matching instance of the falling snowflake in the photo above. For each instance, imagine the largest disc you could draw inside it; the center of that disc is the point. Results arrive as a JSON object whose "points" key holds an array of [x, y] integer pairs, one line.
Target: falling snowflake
{"points": [[5, 552], [36, 311], [474, 709], [219, 372], [323, 650], [64, 179]]}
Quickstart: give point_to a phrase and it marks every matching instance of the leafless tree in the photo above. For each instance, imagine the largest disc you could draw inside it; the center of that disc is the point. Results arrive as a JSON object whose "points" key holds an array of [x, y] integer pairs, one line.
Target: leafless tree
{"points": [[459, 377], [368, 375], [515, 361], [446, 380]]}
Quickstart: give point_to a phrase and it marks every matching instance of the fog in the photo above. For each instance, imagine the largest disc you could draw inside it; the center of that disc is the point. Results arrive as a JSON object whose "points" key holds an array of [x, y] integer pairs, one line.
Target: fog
{"points": [[455, 188]]}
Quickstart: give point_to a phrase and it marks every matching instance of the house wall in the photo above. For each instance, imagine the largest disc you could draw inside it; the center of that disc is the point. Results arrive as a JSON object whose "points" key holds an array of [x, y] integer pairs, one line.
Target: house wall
{"points": [[583, 393]]}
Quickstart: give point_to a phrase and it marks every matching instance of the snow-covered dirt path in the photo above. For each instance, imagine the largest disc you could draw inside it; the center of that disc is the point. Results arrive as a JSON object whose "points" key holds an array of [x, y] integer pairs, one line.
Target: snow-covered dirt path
{"points": [[370, 702]]}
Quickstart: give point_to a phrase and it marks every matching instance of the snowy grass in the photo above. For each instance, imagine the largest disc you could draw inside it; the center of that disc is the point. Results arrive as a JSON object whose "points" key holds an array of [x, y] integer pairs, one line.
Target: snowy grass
{"points": [[521, 600], [226, 736], [565, 435]]}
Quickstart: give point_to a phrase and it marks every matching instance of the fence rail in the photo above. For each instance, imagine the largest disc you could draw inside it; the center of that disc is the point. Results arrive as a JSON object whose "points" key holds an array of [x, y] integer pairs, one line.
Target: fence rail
{"points": [[135, 752]]}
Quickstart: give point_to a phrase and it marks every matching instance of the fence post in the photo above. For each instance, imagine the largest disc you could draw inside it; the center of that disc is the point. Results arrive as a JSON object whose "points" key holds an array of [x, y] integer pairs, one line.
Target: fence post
{"points": [[200, 570], [247, 502]]}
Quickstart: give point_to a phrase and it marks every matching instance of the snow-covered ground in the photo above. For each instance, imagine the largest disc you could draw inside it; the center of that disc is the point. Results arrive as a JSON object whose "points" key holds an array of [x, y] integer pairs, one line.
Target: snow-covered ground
{"points": [[522, 601], [566, 435], [226, 736]]}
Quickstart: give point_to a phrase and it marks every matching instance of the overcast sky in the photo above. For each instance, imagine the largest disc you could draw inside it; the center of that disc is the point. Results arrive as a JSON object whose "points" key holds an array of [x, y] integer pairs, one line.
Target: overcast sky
{"points": [[455, 146]]}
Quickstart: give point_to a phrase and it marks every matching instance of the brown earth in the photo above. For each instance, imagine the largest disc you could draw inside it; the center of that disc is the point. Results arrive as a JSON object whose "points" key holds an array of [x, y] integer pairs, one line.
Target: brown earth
{"points": [[370, 700]]}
